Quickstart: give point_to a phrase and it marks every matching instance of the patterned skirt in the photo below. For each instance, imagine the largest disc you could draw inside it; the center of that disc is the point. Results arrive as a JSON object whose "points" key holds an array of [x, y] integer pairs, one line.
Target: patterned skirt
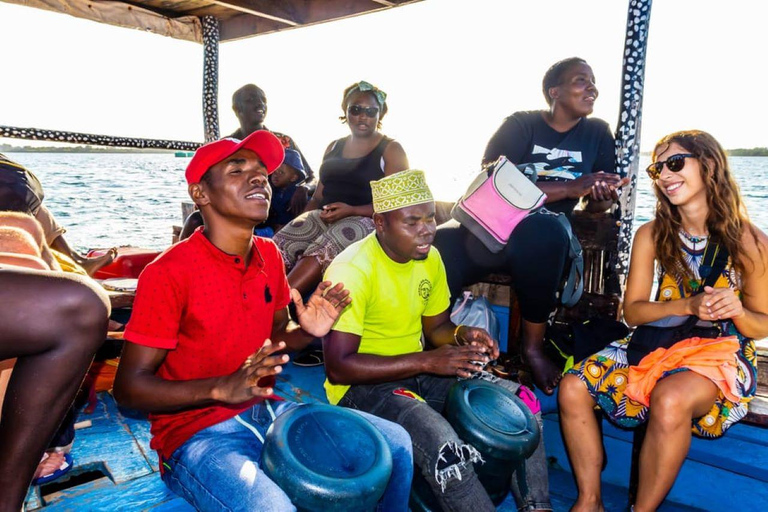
{"points": [[308, 236], [605, 375]]}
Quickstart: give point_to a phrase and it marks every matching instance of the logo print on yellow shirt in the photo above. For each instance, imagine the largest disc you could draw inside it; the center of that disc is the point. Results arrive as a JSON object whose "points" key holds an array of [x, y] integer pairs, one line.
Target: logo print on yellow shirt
{"points": [[425, 288]]}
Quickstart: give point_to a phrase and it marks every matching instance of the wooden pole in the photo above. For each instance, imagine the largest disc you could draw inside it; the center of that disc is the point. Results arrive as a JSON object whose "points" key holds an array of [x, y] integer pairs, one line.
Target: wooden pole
{"points": [[210, 77], [628, 127]]}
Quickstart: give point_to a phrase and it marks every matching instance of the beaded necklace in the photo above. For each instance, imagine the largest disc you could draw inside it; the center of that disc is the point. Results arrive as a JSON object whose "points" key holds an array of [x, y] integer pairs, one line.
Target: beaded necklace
{"points": [[695, 256]]}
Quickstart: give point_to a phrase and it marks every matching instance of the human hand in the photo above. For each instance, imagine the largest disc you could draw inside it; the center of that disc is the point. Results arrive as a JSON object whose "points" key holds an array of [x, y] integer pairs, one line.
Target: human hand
{"points": [[336, 211], [459, 361], [604, 184], [299, 200], [602, 190], [243, 384], [468, 335], [719, 304], [322, 309]]}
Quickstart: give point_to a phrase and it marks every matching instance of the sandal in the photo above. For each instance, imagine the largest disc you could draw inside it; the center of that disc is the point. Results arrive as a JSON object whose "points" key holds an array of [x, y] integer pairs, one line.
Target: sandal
{"points": [[312, 357], [63, 469]]}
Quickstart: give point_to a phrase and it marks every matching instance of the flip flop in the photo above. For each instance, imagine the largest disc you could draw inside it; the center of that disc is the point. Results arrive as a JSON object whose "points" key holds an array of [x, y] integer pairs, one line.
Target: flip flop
{"points": [[66, 465], [309, 358]]}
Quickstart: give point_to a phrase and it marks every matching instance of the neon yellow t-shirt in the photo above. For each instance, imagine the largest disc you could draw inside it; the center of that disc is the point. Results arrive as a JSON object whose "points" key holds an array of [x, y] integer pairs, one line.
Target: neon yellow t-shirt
{"points": [[388, 300]]}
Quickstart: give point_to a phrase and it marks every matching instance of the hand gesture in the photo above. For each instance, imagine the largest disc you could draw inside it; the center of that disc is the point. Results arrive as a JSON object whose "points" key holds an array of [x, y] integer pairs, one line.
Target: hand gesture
{"points": [[468, 335], [717, 304], [243, 384], [335, 211], [602, 190], [322, 309], [460, 361], [299, 200], [600, 184]]}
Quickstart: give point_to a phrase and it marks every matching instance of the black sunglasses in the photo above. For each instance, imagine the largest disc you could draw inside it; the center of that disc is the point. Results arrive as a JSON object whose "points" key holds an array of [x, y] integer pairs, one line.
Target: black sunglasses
{"points": [[675, 163], [356, 110]]}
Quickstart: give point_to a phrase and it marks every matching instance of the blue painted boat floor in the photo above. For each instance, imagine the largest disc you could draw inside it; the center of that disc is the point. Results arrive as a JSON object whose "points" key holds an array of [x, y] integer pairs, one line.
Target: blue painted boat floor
{"points": [[115, 469]]}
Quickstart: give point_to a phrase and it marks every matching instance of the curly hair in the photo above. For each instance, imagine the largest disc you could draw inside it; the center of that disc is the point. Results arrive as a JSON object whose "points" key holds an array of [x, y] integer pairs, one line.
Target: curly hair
{"points": [[727, 215], [554, 75], [345, 103]]}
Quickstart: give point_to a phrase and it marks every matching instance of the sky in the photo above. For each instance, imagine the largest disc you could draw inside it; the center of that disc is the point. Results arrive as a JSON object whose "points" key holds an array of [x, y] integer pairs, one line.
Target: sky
{"points": [[453, 70]]}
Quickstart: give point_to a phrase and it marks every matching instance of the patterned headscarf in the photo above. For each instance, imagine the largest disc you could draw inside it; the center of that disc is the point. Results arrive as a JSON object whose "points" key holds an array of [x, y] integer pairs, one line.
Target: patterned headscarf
{"points": [[406, 188], [363, 86]]}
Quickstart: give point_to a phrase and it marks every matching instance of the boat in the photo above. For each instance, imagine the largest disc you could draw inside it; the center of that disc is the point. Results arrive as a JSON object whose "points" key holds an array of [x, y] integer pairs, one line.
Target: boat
{"points": [[115, 468]]}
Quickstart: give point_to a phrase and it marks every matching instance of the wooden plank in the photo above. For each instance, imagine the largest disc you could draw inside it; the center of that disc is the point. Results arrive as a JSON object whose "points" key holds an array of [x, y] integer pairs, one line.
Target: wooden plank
{"points": [[727, 491], [146, 493], [123, 15], [314, 12], [262, 9]]}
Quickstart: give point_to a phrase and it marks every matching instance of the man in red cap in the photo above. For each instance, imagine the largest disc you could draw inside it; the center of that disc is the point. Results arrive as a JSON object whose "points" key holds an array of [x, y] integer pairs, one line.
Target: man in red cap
{"points": [[200, 358]]}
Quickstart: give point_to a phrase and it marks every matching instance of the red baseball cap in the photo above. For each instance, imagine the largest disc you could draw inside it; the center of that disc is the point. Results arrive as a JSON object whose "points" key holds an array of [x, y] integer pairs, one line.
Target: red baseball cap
{"points": [[262, 142]]}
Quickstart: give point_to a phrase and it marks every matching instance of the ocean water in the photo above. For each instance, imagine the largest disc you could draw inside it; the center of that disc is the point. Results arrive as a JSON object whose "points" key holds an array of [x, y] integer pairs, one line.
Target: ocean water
{"points": [[107, 200]]}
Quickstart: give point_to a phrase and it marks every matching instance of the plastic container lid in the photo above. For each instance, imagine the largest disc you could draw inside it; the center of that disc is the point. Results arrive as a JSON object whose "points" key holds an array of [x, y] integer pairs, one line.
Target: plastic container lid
{"points": [[492, 419], [327, 458]]}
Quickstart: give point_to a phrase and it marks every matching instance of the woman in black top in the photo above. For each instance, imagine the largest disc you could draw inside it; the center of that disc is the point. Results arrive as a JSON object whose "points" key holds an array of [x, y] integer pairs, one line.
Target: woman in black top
{"points": [[340, 210], [574, 159]]}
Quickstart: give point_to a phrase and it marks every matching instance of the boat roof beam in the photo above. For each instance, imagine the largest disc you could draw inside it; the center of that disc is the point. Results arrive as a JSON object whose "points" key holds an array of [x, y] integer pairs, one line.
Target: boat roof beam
{"points": [[238, 19], [279, 13], [124, 15]]}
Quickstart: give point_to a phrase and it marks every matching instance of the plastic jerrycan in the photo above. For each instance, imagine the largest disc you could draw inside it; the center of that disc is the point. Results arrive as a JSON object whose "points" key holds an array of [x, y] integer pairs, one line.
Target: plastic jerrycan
{"points": [[327, 458], [498, 424]]}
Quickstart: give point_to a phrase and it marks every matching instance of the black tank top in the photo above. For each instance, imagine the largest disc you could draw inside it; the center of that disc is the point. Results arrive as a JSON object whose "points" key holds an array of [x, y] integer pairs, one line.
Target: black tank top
{"points": [[347, 180]]}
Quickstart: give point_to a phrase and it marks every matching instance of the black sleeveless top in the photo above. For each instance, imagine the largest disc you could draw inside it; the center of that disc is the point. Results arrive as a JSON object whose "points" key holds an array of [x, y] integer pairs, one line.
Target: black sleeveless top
{"points": [[347, 180]]}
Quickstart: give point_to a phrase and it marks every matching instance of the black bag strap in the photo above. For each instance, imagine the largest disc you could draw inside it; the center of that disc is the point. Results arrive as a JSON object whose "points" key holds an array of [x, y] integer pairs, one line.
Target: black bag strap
{"points": [[712, 265], [719, 260]]}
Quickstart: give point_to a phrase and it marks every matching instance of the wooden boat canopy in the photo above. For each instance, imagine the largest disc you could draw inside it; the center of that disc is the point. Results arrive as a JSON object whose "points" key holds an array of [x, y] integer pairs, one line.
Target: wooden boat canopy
{"points": [[238, 19]]}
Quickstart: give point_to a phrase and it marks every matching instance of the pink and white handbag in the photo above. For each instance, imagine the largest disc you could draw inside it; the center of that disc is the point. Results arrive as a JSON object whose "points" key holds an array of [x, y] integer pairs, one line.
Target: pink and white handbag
{"points": [[495, 203]]}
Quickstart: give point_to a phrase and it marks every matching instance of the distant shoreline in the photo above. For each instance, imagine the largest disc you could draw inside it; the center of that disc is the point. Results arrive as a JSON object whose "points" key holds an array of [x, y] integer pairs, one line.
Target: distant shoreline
{"points": [[7, 148]]}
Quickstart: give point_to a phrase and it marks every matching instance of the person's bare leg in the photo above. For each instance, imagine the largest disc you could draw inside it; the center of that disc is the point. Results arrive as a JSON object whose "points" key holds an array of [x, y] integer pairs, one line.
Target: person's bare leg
{"points": [[582, 440], [305, 275], [546, 374], [53, 324], [675, 401], [90, 265]]}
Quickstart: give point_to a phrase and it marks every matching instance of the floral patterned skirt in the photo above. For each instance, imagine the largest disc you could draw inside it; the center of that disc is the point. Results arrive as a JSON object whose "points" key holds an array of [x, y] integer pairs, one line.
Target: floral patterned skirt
{"points": [[605, 375]]}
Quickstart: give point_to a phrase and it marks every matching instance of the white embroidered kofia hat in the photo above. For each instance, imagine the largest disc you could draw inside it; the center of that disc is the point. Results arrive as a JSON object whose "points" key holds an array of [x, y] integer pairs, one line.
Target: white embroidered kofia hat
{"points": [[405, 188]]}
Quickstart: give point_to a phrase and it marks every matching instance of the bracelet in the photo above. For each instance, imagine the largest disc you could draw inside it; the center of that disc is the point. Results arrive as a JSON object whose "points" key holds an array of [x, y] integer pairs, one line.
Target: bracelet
{"points": [[456, 335]]}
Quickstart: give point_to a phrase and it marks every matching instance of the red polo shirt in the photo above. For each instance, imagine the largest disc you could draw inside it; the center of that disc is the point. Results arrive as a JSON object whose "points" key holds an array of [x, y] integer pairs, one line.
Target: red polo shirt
{"points": [[210, 312]]}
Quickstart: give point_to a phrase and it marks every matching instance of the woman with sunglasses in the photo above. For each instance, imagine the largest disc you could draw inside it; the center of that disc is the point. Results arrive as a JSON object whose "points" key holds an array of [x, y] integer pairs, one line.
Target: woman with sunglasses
{"points": [[574, 159], [698, 204], [340, 210]]}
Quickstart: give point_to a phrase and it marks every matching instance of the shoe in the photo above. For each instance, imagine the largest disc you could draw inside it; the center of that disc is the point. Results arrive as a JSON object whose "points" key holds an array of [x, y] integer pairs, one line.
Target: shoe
{"points": [[312, 357], [62, 470]]}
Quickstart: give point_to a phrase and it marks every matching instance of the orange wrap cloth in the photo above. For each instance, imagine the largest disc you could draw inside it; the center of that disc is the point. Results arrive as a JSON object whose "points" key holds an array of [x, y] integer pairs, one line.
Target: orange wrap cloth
{"points": [[714, 359]]}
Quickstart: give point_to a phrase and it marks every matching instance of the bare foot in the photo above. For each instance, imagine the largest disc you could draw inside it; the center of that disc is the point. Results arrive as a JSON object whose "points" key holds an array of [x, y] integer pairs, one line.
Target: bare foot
{"points": [[546, 374], [91, 265], [588, 505]]}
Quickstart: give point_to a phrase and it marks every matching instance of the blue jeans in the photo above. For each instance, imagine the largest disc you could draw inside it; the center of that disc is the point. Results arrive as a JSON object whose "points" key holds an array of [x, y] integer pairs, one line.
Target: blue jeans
{"points": [[441, 456], [218, 468]]}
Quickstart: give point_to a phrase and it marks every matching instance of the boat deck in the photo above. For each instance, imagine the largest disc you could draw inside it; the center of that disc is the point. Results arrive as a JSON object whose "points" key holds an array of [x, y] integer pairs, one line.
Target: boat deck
{"points": [[115, 469]]}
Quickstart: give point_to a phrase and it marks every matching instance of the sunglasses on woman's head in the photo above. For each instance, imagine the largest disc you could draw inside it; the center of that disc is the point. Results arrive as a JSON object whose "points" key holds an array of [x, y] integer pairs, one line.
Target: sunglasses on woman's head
{"points": [[675, 163], [356, 110]]}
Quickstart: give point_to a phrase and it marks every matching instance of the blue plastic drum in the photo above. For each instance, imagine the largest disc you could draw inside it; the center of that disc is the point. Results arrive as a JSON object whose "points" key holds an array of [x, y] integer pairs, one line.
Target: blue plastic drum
{"points": [[327, 458], [498, 424]]}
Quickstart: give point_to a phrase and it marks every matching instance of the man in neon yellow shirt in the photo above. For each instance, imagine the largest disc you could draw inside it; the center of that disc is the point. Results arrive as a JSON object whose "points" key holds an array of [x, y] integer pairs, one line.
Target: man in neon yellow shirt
{"points": [[374, 357]]}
